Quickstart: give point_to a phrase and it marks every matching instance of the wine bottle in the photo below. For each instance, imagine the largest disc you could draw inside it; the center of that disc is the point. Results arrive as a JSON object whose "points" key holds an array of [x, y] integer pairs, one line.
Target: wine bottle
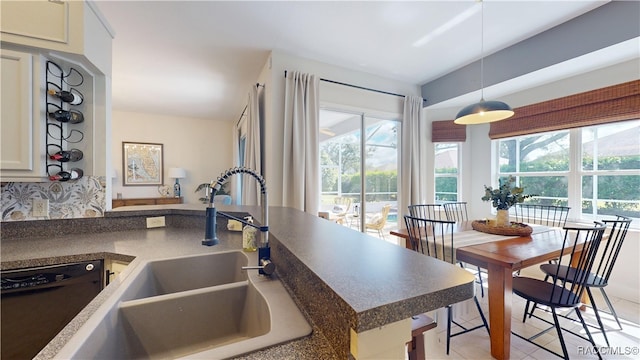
{"points": [[67, 155], [73, 174], [67, 96], [65, 116]]}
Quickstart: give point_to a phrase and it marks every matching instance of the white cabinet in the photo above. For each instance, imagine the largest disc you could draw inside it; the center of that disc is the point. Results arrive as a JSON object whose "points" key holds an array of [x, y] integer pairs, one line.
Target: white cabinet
{"points": [[47, 24], [113, 269], [20, 129], [74, 27], [73, 34]]}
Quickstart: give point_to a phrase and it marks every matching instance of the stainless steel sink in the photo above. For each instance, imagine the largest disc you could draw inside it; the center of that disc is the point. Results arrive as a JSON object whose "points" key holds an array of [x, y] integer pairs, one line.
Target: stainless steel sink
{"points": [[197, 306]]}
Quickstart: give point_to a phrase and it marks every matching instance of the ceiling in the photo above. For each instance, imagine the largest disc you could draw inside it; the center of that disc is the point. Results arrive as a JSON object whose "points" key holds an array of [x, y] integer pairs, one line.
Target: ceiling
{"points": [[198, 58]]}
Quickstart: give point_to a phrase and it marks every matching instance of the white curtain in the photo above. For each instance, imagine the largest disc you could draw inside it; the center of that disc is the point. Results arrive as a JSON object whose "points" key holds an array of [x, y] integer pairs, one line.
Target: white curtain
{"points": [[413, 172], [236, 132], [252, 154], [301, 160]]}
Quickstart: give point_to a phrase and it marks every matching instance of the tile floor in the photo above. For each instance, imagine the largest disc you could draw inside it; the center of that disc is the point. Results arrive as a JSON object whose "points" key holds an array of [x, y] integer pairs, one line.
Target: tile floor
{"points": [[475, 345]]}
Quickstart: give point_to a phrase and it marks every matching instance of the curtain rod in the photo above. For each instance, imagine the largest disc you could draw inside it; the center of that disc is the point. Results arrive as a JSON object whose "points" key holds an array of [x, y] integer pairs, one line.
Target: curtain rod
{"points": [[245, 107], [360, 87]]}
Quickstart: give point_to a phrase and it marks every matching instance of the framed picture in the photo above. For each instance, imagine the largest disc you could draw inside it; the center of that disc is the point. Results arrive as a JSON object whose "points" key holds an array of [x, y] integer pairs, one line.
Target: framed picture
{"points": [[142, 164]]}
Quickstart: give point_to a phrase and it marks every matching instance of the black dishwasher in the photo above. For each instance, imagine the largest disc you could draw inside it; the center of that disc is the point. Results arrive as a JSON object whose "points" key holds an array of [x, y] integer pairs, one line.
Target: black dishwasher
{"points": [[38, 302]]}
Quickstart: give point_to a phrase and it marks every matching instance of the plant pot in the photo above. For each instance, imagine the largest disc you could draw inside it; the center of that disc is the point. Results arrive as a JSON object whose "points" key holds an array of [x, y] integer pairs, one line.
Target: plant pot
{"points": [[502, 218]]}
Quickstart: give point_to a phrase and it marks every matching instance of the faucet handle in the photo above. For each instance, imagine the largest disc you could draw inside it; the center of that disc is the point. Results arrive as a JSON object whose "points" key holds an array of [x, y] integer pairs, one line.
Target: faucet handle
{"points": [[266, 267]]}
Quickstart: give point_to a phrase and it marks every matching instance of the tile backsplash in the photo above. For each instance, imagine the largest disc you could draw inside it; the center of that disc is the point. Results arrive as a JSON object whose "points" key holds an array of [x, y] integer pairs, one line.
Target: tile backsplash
{"points": [[83, 198]]}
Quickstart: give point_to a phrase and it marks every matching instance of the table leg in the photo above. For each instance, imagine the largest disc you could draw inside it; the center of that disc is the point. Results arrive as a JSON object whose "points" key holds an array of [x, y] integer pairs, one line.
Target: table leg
{"points": [[500, 292]]}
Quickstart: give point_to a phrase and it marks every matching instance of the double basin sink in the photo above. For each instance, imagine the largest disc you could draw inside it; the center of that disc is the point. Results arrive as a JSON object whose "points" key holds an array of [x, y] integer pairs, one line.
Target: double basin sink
{"points": [[202, 306]]}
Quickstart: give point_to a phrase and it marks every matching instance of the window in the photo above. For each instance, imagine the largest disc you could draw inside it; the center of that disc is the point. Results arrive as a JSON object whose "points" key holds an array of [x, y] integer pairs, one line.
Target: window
{"points": [[595, 169], [447, 175], [361, 168], [540, 162], [609, 171]]}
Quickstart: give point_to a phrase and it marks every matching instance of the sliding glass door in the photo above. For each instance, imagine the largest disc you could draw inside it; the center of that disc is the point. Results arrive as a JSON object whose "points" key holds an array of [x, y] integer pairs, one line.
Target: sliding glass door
{"points": [[363, 170]]}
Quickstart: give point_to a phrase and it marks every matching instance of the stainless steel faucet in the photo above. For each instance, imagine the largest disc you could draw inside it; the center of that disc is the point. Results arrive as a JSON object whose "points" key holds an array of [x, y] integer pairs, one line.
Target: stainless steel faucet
{"points": [[210, 238]]}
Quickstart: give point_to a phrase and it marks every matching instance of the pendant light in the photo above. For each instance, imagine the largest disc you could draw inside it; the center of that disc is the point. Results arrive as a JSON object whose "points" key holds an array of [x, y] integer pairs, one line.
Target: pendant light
{"points": [[483, 111]]}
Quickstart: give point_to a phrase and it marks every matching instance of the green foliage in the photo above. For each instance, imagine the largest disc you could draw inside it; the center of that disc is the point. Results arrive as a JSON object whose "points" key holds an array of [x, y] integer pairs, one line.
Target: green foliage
{"points": [[631, 162], [546, 186], [203, 186], [452, 170], [619, 187], [506, 195], [377, 182]]}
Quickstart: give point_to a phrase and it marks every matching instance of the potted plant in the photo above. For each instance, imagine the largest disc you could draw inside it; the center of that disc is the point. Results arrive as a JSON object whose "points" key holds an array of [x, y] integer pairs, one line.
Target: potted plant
{"points": [[205, 187], [504, 197]]}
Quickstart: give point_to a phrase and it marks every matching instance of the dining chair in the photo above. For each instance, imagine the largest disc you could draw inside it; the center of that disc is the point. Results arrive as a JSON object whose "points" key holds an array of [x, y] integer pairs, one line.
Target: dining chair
{"points": [[599, 275], [547, 215], [456, 211], [426, 211], [579, 249], [435, 238]]}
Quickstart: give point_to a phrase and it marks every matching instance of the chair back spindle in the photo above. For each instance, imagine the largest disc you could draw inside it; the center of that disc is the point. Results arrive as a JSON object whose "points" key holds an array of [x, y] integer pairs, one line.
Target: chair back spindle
{"points": [[431, 237], [426, 211], [610, 249], [456, 211], [580, 246], [547, 215]]}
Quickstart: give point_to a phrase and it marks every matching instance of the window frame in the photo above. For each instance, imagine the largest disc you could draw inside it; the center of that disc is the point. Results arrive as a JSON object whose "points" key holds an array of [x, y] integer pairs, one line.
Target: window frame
{"points": [[458, 174], [574, 174]]}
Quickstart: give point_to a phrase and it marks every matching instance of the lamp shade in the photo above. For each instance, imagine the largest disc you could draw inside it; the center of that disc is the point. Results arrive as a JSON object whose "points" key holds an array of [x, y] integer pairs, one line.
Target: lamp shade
{"points": [[177, 173], [483, 112]]}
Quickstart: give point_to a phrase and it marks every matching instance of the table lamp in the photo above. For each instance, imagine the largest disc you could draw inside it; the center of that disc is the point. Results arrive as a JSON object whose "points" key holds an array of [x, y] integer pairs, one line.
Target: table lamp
{"points": [[177, 173]]}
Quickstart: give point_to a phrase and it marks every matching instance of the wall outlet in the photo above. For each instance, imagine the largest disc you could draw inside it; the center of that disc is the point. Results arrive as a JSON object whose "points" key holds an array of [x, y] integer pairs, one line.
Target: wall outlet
{"points": [[154, 222], [40, 207]]}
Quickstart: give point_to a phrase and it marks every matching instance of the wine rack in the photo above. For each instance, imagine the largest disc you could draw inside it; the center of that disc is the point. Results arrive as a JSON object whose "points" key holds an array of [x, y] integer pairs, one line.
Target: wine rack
{"points": [[59, 134]]}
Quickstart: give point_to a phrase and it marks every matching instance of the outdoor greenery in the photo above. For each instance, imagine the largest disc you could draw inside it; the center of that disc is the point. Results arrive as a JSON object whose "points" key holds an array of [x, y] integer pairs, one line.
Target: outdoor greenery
{"points": [[621, 191], [619, 187]]}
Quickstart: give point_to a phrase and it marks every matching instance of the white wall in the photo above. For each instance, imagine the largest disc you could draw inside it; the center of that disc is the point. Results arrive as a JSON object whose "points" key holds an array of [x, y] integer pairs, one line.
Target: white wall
{"points": [[201, 146], [625, 277]]}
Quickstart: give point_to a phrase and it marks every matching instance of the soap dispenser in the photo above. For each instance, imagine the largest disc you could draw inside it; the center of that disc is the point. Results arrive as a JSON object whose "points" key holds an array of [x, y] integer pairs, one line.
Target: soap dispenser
{"points": [[249, 236]]}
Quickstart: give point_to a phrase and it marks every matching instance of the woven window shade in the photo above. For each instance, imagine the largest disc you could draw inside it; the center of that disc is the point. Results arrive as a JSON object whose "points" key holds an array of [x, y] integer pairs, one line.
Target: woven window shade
{"points": [[448, 131], [610, 104]]}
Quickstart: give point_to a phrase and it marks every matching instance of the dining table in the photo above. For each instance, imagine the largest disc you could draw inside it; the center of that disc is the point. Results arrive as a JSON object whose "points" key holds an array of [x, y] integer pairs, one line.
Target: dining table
{"points": [[501, 256]]}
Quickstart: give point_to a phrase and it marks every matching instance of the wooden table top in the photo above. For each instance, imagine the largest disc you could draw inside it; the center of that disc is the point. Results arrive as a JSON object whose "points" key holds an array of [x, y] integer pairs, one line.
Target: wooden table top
{"points": [[515, 253]]}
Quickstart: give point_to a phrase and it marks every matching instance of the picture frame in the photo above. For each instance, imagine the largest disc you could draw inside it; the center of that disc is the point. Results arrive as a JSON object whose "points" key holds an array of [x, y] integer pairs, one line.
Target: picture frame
{"points": [[142, 164]]}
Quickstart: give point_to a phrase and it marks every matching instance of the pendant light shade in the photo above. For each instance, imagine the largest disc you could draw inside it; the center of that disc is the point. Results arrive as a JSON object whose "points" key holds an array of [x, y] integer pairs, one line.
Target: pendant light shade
{"points": [[483, 111]]}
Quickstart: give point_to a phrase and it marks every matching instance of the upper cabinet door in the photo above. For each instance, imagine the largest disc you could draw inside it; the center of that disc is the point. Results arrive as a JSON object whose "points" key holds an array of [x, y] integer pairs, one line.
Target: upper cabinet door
{"points": [[75, 27], [45, 20], [16, 104]]}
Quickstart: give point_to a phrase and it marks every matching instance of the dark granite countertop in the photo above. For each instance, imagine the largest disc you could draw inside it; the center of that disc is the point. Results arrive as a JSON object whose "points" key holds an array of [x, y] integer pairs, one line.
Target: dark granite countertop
{"points": [[341, 279]]}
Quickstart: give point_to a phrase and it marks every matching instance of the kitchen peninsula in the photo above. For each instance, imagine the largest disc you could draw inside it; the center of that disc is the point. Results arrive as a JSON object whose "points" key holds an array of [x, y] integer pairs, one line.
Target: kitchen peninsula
{"points": [[346, 282]]}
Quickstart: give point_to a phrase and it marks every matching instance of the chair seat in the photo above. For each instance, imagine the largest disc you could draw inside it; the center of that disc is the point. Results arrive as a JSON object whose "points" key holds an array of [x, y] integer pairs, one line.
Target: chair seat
{"points": [[541, 292], [568, 272]]}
